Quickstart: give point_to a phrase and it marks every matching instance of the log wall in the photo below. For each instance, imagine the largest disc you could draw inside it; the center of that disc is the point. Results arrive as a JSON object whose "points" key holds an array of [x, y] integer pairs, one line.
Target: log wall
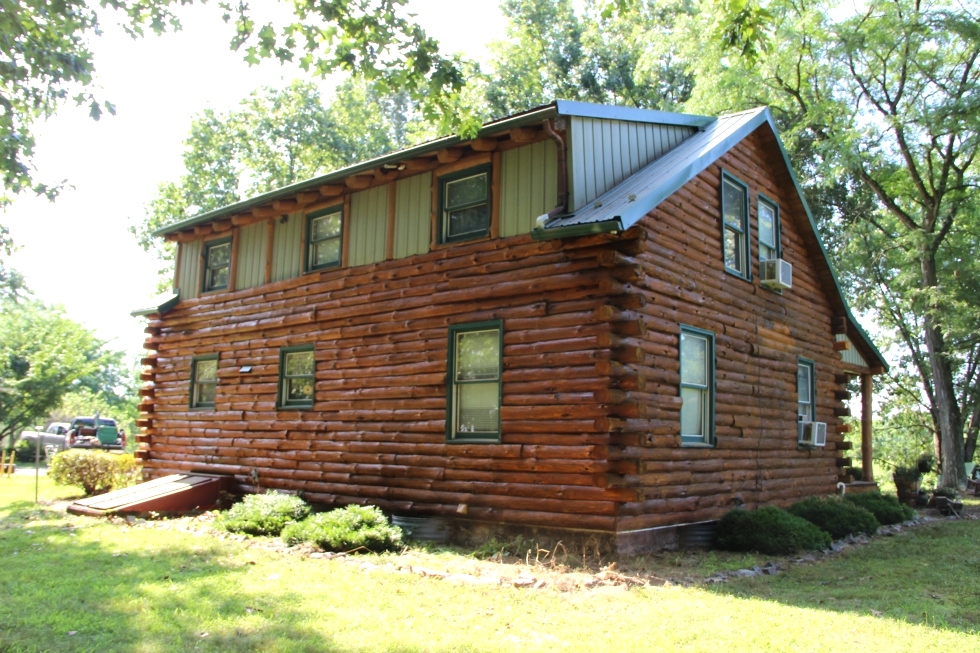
{"points": [[376, 432], [759, 335]]}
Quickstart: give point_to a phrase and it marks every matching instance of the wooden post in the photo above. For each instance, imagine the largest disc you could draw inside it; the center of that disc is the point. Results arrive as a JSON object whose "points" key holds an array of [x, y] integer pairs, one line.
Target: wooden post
{"points": [[866, 453]]}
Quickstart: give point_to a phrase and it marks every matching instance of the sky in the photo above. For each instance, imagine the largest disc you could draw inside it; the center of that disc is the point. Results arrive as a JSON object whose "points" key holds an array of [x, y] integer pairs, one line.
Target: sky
{"points": [[78, 252]]}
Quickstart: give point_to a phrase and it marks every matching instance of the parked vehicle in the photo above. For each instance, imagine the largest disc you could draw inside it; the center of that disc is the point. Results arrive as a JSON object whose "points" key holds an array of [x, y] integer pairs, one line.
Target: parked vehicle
{"points": [[95, 433], [55, 435]]}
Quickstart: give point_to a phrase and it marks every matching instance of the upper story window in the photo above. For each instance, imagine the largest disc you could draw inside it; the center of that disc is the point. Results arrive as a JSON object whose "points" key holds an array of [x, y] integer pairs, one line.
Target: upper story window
{"points": [[297, 368], [735, 225], [805, 390], [464, 205], [768, 229], [204, 381], [324, 231], [217, 264], [697, 354], [473, 405]]}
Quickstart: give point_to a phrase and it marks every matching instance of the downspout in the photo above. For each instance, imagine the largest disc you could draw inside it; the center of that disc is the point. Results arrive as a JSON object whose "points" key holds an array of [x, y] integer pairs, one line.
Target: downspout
{"points": [[562, 206]]}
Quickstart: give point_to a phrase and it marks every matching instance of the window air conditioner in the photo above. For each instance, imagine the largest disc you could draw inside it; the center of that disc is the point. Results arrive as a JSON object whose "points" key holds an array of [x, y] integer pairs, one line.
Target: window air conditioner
{"points": [[813, 434], [776, 273]]}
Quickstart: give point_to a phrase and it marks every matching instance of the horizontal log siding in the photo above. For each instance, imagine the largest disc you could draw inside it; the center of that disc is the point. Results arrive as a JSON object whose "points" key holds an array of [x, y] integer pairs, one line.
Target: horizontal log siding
{"points": [[759, 335], [377, 430]]}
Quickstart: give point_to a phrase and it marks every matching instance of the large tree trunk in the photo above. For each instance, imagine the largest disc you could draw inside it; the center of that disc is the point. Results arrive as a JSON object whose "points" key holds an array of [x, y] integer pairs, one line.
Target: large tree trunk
{"points": [[947, 410]]}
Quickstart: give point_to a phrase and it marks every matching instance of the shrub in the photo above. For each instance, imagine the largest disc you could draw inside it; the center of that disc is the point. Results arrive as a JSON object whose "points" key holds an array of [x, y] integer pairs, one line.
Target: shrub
{"points": [[837, 517], [263, 514], [95, 471], [344, 529], [769, 530], [886, 509]]}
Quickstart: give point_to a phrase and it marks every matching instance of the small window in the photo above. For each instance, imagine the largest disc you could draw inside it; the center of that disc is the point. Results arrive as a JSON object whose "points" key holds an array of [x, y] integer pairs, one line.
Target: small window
{"points": [[204, 381], [697, 354], [735, 225], [768, 230], [324, 231], [806, 393], [464, 201], [473, 405], [296, 377], [217, 264]]}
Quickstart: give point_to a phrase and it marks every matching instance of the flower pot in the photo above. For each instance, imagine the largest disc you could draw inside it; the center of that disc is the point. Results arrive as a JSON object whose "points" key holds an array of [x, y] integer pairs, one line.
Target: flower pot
{"points": [[906, 490]]}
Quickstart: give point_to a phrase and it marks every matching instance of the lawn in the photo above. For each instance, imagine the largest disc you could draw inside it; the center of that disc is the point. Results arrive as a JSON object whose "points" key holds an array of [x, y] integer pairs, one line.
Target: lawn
{"points": [[80, 584]]}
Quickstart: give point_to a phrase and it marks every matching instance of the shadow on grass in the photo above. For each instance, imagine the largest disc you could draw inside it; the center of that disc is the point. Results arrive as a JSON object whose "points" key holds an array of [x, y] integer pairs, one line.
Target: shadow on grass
{"points": [[929, 576], [82, 585]]}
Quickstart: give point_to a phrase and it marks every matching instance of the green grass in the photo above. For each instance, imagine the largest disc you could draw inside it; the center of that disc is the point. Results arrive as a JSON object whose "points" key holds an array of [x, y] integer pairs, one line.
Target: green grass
{"points": [[157, 588]]}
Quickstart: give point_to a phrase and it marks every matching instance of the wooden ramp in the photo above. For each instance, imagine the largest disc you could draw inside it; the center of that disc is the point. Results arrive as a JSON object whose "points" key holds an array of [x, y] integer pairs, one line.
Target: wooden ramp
{"points": [[174, 493]]}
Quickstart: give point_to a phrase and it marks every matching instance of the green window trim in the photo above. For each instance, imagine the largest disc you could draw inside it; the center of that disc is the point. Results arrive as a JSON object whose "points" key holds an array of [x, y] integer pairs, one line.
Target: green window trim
{"points": [[473, 392], [769, 249], [204, 382], [216, 267], [736, 249], [806, 390], [297, 377], [697, 386], [464, 212], [324, 238]]}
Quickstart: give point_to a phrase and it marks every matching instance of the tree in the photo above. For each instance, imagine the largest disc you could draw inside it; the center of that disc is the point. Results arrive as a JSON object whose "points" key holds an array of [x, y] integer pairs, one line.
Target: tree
{"points": [[45, 59], [275, 137], [43, 355]]}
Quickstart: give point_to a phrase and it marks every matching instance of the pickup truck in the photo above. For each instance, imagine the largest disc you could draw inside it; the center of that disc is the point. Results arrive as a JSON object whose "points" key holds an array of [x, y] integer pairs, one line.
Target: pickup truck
{"points": [[86, 433], [55, 435]]}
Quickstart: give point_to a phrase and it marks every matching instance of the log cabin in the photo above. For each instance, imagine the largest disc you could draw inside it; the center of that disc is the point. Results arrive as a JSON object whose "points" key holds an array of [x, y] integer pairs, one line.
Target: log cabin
{"points": [[587, 320]]}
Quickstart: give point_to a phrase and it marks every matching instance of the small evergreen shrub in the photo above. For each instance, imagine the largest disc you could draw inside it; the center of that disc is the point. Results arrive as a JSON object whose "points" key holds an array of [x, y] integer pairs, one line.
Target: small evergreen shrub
{"points": [[886, 508], [769, 530], [95, 471], [345, 529], [836, 517], [263, 514]]}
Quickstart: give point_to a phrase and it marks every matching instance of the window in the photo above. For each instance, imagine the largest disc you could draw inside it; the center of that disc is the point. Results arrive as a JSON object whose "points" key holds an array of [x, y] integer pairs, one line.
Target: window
{"points": [[217, 264], [768, 230], [697, 354], [324, 230], [204, 381], [735, 225], [806, 393], [296, 377], [464, 205], [473, 404]]}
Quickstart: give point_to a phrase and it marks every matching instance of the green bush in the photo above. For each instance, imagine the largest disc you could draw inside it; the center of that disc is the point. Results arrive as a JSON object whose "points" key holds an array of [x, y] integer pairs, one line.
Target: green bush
{"points": [[95, 471], [263, 514], [769, 530], [345, 529], [886, 509], [836, 517]]}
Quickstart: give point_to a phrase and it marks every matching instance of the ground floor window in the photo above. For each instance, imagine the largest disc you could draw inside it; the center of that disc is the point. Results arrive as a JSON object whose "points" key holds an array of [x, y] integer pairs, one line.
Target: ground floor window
{"points": [[697, 359], [204, 381], [474, 388], [296, 377]]}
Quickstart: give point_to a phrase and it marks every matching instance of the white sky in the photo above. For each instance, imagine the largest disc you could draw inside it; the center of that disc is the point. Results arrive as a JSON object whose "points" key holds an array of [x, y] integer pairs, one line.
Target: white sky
{"points": [[78, 251]]}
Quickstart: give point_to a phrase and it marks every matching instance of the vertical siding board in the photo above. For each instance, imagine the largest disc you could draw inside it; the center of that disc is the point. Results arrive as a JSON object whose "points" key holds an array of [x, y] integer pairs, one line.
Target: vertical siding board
{"points": [[576, 158], [286, 255], [368, 226], [190, 262], [251, 256], [529, 186], [412, 209]]}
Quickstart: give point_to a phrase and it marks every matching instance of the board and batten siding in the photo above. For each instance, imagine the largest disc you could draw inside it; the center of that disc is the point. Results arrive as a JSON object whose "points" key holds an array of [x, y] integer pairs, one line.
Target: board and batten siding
{"points": [[287, 257], [851, 355], [190, 266], [250, 270], [603, 153], [528, 186], [368, 225], [413, 208]]}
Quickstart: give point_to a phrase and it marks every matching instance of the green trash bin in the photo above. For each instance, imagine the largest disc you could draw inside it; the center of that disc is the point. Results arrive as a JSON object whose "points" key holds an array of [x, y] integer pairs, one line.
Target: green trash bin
{"points": [[108, 435]]}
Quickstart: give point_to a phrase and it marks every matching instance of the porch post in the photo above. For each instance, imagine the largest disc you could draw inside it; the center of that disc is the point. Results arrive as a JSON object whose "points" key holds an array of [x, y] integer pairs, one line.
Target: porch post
{"points": [[866, 394]]}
